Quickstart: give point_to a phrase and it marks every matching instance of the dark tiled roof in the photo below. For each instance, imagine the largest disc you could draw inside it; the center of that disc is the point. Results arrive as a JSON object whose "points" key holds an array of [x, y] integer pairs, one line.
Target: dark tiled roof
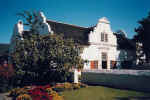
{"points": [[4, 48], [79, 34]]}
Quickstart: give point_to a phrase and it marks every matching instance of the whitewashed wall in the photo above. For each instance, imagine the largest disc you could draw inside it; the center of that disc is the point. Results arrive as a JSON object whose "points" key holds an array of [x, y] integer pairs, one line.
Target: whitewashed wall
{"points": [[94, 51]]}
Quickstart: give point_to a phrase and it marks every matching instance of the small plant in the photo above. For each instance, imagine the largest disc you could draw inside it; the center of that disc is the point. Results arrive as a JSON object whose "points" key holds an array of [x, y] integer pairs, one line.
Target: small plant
{"points": [[68, 86], [76, 86], [49, 91], [18, 91], [55, 96], [59, 87], [24, 97], [83, 85], [39, 93]]}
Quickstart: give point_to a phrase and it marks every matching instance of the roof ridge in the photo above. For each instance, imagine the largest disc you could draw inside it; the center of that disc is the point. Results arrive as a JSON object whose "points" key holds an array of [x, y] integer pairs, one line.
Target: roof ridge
{"points": [[67, 24]]}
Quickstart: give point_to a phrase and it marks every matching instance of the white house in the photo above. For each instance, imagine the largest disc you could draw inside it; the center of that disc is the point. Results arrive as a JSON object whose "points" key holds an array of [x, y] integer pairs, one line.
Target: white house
{"points": [[102, 48]]}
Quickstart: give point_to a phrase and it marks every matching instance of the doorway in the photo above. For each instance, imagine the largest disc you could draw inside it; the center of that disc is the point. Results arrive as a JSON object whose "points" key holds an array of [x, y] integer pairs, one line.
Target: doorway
{"points": [[104, 60], [104, 64], [94, 64]]}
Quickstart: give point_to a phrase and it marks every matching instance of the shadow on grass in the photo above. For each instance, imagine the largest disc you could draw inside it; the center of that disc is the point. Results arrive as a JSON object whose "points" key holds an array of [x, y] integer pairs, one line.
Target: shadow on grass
{"points": [[132, 98]]}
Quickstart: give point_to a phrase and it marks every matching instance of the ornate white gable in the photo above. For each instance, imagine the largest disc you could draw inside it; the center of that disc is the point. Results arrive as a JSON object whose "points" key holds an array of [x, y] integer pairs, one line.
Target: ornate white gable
{"points": [[17, 31], [41, 26], [103, 26]]}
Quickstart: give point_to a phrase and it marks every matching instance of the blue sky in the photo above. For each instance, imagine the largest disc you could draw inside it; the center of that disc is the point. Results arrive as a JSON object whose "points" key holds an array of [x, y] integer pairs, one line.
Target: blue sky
{"points": [[123, 14]]}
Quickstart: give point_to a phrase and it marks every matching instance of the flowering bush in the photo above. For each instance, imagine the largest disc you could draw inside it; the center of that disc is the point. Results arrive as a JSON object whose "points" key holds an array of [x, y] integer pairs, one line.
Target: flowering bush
{"points": [[39, 93], [83, 85], [49, 90], [35, 93], [6, 70], [42, 92], [24, 97], [68, 86], [58, 87], [76, 86], [55, 96], [18, 91]]}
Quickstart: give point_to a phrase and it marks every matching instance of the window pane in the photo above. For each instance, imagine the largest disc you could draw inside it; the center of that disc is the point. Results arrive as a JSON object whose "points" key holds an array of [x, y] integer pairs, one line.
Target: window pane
{"points": [[102, 36], [106, 37]]}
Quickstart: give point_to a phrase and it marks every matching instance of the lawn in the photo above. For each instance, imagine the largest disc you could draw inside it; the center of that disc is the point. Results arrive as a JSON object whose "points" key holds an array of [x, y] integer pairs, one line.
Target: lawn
{"points": [[104, 93]]}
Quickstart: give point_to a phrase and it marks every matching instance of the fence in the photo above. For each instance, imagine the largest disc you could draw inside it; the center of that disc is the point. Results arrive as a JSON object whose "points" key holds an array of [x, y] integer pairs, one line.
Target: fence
{"points": [[124, 79]]}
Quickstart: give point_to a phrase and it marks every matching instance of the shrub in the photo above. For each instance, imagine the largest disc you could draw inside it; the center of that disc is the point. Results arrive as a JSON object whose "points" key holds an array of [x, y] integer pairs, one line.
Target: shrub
{"points": [[55, 96], [39, 93], [24, 97], [49, 91], [68, 86], [59, 87], [83, 85], [18, 91], [6, 74], [35, 93], [76, 86]]}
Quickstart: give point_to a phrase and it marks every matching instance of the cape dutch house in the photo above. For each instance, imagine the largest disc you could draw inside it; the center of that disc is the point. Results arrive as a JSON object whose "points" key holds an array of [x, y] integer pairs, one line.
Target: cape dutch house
{"points": [[102, 48]]}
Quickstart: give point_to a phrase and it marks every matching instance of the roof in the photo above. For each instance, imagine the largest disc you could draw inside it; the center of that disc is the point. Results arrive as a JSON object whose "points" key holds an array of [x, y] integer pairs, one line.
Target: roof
{"points": [[4, 48], [77, 33]]}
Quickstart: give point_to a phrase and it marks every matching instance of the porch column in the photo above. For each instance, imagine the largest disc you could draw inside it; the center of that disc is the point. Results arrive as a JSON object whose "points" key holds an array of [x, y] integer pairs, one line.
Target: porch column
{"points": [[100, 65], [76, 80]]}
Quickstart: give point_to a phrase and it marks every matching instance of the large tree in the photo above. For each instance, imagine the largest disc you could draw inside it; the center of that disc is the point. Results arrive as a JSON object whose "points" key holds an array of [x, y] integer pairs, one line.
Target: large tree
{"points": [[46, 56], [143, 35]]}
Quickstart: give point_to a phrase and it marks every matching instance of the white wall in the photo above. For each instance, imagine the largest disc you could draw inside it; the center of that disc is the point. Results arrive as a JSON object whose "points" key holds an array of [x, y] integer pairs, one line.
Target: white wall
{"points": [[96, 47]]}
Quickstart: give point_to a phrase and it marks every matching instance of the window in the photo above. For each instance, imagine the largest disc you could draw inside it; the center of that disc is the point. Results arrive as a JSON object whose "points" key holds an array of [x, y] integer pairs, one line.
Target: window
{"points": [[104, 56], [104, 37], [94, 64]]}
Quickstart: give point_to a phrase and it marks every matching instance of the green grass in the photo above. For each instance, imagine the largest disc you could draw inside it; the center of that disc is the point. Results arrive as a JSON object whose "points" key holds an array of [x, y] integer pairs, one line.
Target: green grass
{"points": [[104, 93]]}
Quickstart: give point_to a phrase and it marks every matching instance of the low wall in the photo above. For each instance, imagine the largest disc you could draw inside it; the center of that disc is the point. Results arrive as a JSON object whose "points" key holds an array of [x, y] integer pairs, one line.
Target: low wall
{"points": [[124, 79]]}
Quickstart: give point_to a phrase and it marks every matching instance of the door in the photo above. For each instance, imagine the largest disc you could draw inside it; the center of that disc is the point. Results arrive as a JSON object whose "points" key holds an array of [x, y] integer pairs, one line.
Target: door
{"points": [[104, 60], [94, 64]]}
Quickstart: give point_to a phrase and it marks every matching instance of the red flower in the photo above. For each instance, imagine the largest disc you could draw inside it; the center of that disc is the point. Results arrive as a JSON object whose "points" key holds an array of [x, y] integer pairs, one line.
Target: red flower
{"points": [[47, 86], [39, 93]]}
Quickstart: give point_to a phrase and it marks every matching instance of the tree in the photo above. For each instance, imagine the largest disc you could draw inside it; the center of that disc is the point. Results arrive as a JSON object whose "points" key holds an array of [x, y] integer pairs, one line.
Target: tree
{"points": [[30, 19], [44, 57], [143, 35], [48, 57]]}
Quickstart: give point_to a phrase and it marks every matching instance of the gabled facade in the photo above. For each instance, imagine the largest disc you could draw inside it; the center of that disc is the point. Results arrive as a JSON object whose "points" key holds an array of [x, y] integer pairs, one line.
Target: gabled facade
{"points": [[102, 50]]}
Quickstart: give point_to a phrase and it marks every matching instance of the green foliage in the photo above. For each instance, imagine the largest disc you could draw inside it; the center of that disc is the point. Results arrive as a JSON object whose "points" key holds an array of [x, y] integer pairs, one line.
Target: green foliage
{"points": [[29, 18], [46, 57], [143, 35]]}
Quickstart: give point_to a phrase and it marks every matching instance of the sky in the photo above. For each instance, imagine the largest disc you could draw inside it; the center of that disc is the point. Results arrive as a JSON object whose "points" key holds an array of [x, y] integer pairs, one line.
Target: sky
{"points": [[123, 14]]}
